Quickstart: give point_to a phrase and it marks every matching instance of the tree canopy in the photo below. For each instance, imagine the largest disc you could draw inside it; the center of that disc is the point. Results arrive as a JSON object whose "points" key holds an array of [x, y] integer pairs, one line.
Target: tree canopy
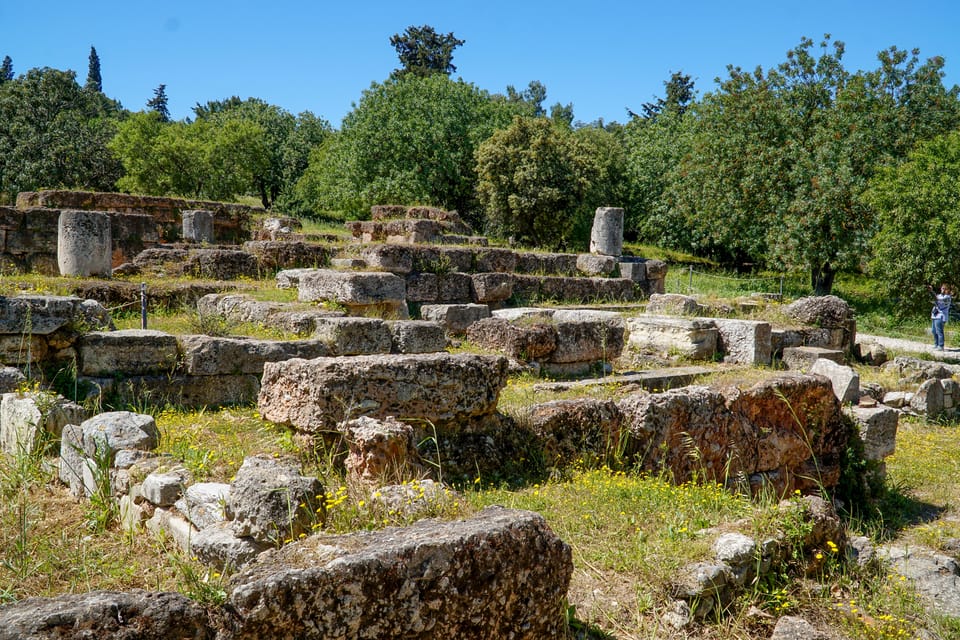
{"points": [[423, 51]]}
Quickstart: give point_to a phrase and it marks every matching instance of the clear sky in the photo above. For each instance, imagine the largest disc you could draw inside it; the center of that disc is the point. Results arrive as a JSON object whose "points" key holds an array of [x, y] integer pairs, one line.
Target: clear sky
{"points": [[601, 55]]}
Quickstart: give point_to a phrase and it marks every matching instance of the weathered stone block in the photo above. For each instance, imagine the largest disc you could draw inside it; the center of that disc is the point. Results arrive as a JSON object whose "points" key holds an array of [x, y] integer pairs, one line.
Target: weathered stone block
{"points": [[672, 304], [744, 341], [878, 430], [355, 290], [500, 574], [528, 340], [380, 451], [270, 501], [495, 260], [844, 380], [394, 258], [163, 489], [454, 288], [216, 545], [315, 395], [205, 355], [803, 358], [416, 336], [353, 336], [587, 336], [491, 287], [596, 265], [693, 338], [455, 318], [32, 420], [204, 503], [572, 429], [606, 235], [130, 351]]}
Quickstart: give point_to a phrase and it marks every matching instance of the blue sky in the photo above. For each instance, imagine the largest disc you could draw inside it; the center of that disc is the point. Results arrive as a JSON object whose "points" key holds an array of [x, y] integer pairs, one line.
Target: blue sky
{"points": [[601, 55]]}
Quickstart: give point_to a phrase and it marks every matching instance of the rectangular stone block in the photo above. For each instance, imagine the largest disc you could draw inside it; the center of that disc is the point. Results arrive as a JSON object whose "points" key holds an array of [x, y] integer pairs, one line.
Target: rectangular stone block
{"points": [[210, 355], [129, 352], [878, 430], [353, 336], [693, 338], [744, 341]]}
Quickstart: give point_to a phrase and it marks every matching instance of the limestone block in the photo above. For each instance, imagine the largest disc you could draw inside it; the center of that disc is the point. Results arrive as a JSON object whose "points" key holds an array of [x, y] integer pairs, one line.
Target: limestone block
{"points": [[871, 352], [500, 574], [739, 552], [353, 289], [32, 420], [84, 244], [348, 263], [270, 501], [422, 287], [606, 235], [656, 270], [182, 390], [559, 264], [635, 271], [109, 432], [197, 226], [72, 460], [587, 336], [416, 336], [802, 358], [495, 261], [380, 451], [454, 288], [132, 515], [526, 340], [693, 338], [951, 394], [530, 314], [272, 255], [596, 265], [573, 429], [205, 355], [897, 399], [315, 395], [455, 318], [163, 489], [491, 287], [95, 615], [575, 290], [130, 352], [217, 546], [878, 430], [204, 503], [353, 336], [220, 264], [290, 278], [845, 381], [394, 258], [829, 312], [672, 304], [928, 399], [744, 341]]}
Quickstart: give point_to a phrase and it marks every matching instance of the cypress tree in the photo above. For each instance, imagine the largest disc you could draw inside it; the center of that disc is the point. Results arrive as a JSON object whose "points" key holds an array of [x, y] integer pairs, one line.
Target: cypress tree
{"points": [[6, 69], [94, 82], [159, 103]]}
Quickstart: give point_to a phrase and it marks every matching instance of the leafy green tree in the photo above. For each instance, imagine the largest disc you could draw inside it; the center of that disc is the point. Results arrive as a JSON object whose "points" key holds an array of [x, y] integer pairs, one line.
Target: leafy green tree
{"points": [[778, 160], [94, 81], [534, 177], [6, 69], [53, 134], [918, 206], [159, 102], [424, 52], [680, 94], [409, 140]]}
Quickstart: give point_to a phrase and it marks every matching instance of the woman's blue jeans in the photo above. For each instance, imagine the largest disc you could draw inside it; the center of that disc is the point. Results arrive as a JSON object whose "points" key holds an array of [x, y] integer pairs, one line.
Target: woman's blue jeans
{"points": [[938, 333]]}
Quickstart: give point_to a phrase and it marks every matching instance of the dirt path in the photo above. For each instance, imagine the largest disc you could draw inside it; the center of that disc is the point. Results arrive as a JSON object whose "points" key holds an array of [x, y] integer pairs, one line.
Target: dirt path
{"points": [[949, 354]]}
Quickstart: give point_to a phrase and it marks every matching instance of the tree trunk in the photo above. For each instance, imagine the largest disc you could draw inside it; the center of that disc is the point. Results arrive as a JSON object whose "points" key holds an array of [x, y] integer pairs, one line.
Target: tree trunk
{"points": [[821, 279]]}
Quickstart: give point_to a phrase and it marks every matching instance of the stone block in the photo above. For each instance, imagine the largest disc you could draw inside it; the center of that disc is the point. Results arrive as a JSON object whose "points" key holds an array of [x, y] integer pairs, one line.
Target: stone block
{"points": [[270, 501], [72, 460], [596, 265], [692, 338], [84, 244], [315, 395], [635, 271], [495, 260], [205, 355], [587, 336], [29, 421], [928, 399], [526, 340], [163, 489], [454, 288], [422, 287], [217, 546], [107, 433], [220, 264], [393, 258], [845, 381], [878, 430], [744, 341], [204, 503], [491, 288], [168, 522], [500, 574], [197, 225], [358, 291], [672, 304], [803, 358], [130, 352], [416, 336], [353, 336], [182, 390], [558, 264], [574, 429], [290, 278], [380, 451], [455, 318], [272, 255]]}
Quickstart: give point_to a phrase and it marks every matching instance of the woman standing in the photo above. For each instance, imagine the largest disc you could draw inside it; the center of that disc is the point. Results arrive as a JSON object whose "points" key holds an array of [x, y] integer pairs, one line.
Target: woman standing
{"points": [[940, 314]]}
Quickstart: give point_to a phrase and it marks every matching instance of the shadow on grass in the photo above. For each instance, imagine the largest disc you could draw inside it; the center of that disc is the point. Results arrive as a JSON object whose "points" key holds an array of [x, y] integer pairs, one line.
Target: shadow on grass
{"points": [[895, 510]]}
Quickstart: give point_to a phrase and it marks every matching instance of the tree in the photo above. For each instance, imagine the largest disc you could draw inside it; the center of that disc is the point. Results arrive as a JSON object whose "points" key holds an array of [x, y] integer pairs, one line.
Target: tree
{"points": [[94, 82], [6, 69], [533, 177], [918, 206], [423, 51], [158, 103], [680, 94], [53, 134], [409, 140]]}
